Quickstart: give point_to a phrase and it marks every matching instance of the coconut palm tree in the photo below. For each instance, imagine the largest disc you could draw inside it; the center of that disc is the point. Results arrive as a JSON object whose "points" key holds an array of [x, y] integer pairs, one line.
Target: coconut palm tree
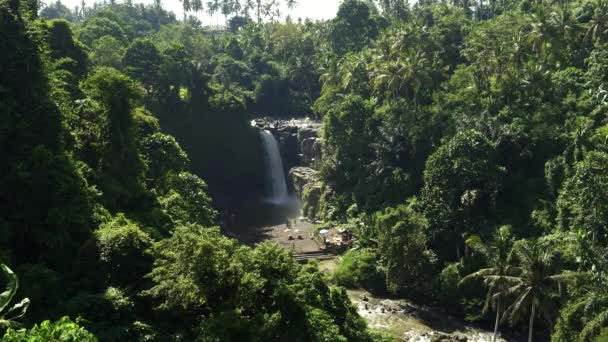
{"points": [[535, 285], [579, 137], [388, 77], [213, 8], [406, 75], [597, 29], [259, 7], [328, 71], [272, 10], [538, 33], [191, 5], [589, 309], [595, 302], [248, 5], [493, 276], [291, 4], [353, 70]]}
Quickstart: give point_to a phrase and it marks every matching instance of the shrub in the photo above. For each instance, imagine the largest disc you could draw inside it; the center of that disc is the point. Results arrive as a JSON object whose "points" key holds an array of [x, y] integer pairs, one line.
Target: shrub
{"points": [[109, 314], [357, 268], [63, 330], [124, 250]]}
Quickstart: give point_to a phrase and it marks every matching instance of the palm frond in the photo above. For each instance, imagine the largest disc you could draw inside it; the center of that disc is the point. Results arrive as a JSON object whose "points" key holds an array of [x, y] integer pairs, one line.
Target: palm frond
{"points": [[593, 327], [516, 311]]}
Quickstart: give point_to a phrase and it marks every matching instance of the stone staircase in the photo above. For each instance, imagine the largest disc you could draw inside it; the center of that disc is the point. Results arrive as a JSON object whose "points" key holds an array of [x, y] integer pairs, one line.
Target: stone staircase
{"points": [[318, 255]]}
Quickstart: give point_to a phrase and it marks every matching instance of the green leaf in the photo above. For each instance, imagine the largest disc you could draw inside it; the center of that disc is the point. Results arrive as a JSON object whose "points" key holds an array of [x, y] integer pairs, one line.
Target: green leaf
{"points": [[11, 287], [18, 310]]}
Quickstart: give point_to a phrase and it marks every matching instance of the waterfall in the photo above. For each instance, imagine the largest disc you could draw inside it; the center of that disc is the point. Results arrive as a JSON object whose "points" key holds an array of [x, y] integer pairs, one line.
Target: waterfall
{"points": [[275, 175]]}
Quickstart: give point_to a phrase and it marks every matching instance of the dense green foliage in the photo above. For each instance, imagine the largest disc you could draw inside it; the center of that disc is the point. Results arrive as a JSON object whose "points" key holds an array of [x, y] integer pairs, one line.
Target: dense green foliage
{"points": [[260, 294], [63, 330], [456, 119], [104, 215], [464, 143], [358, 268]]}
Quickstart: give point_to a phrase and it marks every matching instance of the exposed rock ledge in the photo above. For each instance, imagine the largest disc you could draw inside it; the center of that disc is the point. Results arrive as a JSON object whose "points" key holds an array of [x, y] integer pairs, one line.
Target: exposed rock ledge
{"points": [[301, 176]]}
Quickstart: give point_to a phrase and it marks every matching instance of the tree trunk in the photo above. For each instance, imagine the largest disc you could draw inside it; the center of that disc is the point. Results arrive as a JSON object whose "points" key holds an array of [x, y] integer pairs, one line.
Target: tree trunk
{"points": [[497, 318], [531, 326]]}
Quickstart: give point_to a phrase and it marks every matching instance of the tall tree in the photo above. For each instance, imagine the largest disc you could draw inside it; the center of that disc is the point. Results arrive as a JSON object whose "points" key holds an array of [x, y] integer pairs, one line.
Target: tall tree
{"points": [[142, 62], [497, 254], [461, 180], [291, 4], [44, 205], [192, 5], [122, 167], [403, 249], [583, 200], [535, 286]]}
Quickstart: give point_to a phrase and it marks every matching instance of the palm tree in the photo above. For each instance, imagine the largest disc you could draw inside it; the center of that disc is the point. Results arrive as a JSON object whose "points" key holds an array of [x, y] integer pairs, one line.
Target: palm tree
{"points": [[405, 75], [214, 7], [597, 30], [353, 71], [328, 71], [248, 5], [493, 277], [535, 285], [302, 71], [237, 7], [272, 10], [191, 5], [538, 34], [230, 7], [563, 29], [594, 303], [259, 6], [590, 309], [291, 4], [388, 77]]}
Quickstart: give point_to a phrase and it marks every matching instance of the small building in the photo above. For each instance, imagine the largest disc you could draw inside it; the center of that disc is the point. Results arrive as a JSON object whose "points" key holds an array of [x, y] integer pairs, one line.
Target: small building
{"points": [[346, 235]]}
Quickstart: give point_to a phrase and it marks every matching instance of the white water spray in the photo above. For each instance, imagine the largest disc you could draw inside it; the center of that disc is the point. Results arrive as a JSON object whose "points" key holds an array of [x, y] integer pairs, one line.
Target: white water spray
{"points": [[275, 176]]}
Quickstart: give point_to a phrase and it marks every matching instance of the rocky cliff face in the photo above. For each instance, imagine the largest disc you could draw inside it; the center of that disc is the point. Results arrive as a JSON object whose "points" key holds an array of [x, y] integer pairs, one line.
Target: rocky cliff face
{"points": [[308, 186], [302, 176], [298, 139], [300, 147]]}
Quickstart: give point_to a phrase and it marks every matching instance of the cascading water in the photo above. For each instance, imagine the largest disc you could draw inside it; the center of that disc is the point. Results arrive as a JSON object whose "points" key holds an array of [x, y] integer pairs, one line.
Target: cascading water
{"points": [[275, 175]]}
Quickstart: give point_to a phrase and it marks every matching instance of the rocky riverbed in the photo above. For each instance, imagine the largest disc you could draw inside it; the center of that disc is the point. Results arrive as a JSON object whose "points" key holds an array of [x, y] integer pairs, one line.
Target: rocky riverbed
{"points": [[416, 323]]}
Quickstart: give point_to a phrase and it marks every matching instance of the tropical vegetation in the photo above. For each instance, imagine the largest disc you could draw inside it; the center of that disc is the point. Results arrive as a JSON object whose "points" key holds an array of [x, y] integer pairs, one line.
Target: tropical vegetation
{"points": [[464, 144]]}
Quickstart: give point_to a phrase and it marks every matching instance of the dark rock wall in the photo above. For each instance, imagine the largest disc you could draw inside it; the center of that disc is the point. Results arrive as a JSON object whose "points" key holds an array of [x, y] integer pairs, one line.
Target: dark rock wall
{"points": [[298, 140]]}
